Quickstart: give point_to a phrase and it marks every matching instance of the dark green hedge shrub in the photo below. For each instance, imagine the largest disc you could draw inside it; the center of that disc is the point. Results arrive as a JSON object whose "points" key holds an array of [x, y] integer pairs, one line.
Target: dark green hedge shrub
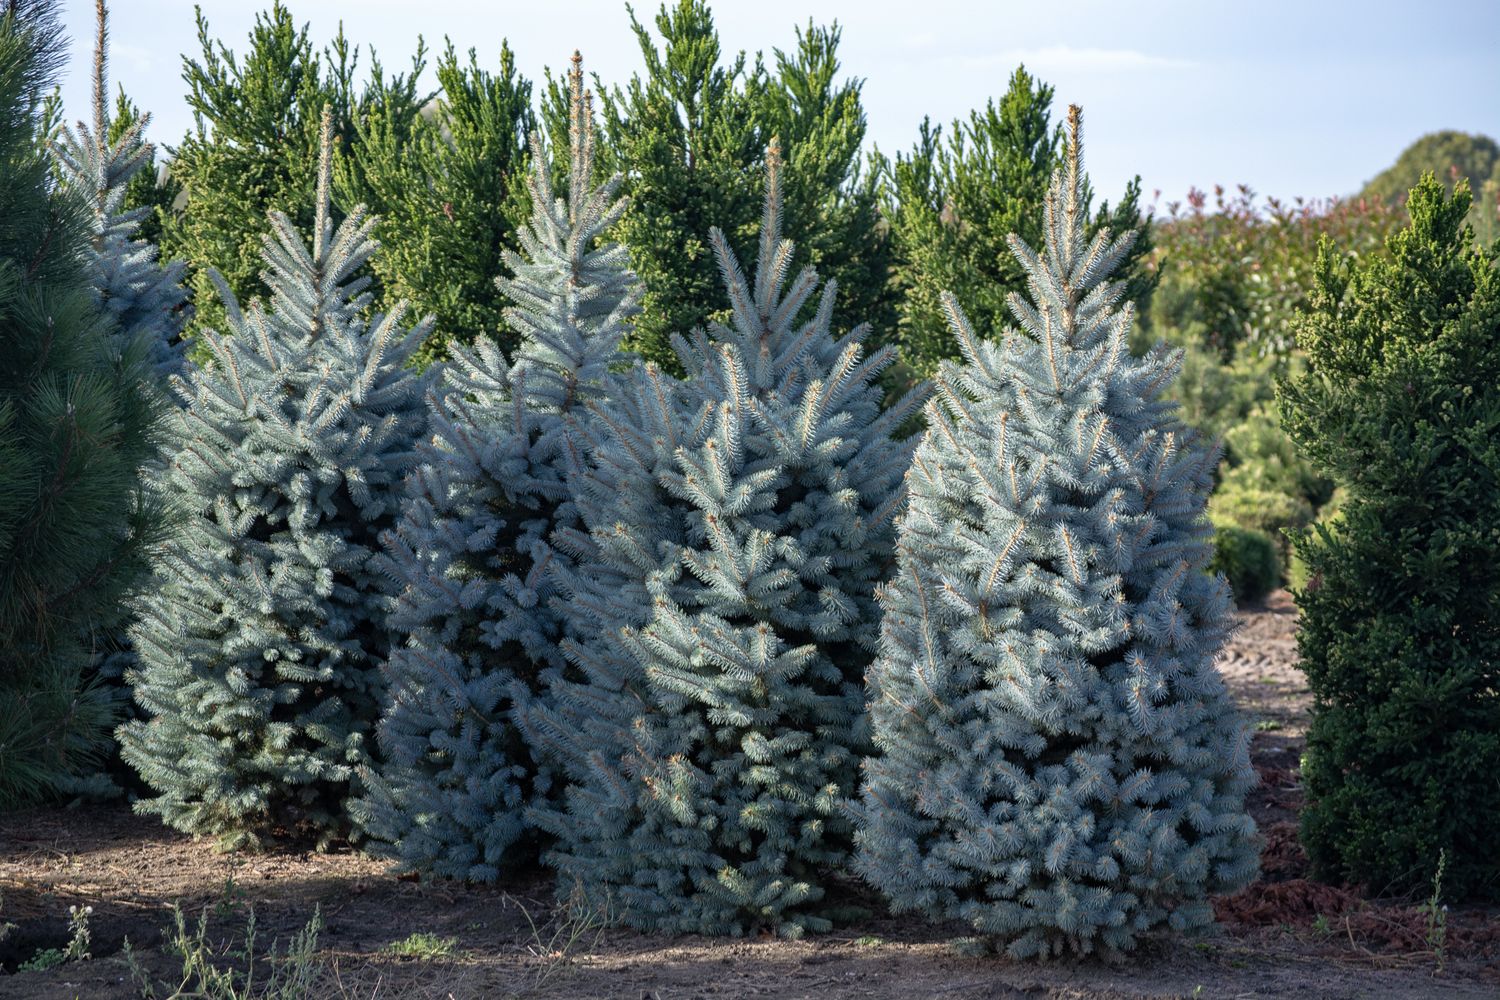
{"points": [[1400, 630], [1270, 512], [1248, 558]]}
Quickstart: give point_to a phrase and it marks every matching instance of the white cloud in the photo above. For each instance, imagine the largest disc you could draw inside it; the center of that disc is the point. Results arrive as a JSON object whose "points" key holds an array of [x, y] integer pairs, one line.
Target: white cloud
{"points": [[1067, 59]]}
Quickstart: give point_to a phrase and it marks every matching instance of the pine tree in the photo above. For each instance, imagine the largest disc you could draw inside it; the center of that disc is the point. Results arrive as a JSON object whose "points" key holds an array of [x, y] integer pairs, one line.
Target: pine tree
{"points": [[1062, 767], [76, 420], [146, 301], [447, 186], [475, 608], [1400, 633], [953, 202], [719, 611], [262, 634], [254, 145], [690, 137]]}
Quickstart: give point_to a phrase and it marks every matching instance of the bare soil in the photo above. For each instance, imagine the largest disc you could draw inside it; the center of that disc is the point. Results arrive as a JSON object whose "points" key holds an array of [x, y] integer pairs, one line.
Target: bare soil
{"points": [[1284, 936]]}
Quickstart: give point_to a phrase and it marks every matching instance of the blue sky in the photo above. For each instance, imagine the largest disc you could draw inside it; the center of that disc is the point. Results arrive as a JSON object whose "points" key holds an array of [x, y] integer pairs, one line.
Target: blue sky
{"points": [[1294, 98]]}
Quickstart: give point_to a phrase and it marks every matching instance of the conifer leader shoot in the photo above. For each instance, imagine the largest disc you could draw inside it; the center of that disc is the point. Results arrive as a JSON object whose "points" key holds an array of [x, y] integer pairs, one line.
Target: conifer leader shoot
{"points": [[146, 299]]}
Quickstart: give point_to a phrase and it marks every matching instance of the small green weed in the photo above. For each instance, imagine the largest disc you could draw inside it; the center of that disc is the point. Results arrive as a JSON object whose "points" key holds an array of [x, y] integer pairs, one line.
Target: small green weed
{"points": [[231, 895], [229, 973], [77, 949], [44, 959], [422, 945], [1437, 913]]}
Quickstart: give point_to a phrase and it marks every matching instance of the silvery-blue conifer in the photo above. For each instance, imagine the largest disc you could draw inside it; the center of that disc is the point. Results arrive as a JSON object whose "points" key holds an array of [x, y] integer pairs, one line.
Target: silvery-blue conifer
{"points": [[475, 611], [720, 611], [1061, 766], [146, 299], [261, 637]]}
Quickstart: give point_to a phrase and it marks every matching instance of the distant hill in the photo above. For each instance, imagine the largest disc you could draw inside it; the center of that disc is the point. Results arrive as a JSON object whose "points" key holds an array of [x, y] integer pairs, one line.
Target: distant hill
{"points": [[1449, 155]]}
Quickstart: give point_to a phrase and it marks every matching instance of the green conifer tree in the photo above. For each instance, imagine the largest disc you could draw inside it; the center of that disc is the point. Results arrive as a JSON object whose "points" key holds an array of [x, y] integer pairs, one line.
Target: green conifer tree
{"points": [[690, 135], [953, 202], [449, 189], [254, 144], [261, 637], [76, 420], [720, 610], [1400, 636], [475, 613], [1061, 768], [830, 193]]}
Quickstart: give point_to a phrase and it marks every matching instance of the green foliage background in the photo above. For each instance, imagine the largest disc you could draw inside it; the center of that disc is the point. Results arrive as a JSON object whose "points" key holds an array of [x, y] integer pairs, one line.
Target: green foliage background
{"points": [[1449, 156], [691, 135], [254, 144], [952, 202]]}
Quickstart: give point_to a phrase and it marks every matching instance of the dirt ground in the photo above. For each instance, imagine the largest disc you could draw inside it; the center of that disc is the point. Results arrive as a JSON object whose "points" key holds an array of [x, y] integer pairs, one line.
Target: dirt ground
{"points": [[1284, 936]]}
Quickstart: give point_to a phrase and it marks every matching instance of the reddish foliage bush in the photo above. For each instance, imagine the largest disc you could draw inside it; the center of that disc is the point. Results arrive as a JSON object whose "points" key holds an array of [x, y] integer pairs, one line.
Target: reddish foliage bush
{"points": [[1243, 268]]}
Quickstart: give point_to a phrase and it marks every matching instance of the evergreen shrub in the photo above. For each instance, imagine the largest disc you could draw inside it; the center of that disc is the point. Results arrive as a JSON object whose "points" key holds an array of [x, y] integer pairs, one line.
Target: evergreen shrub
{"points": [[1248, 559], [720, 613], [476, 615], [1400, 633]]}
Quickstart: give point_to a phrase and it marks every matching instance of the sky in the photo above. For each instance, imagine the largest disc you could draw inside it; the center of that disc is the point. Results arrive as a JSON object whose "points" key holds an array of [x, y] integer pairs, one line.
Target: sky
{"points": [[1309, 98]]}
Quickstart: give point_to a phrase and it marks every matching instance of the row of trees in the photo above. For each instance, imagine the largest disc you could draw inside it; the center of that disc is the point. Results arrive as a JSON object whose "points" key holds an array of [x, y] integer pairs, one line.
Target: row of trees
{"points": [[447, 175], [567, 597], [635, 613], [1237, 275]]}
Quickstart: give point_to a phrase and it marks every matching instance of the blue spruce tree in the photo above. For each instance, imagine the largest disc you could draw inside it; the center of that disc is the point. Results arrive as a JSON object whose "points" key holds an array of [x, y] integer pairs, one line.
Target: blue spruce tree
{"points": [[146, 299], [261, 637], [475, 612], [1061, 768], [720, 610]]}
